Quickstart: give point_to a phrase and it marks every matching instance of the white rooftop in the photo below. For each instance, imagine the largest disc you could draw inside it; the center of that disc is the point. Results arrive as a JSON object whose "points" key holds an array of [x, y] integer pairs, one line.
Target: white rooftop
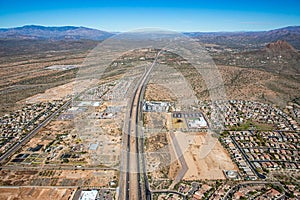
{"points": [[198, 123], [88, 195]]}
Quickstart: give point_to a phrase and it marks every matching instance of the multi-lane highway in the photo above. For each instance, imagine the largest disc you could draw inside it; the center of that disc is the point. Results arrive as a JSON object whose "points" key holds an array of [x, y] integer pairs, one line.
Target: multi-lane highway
{"points": [[134, 183]]}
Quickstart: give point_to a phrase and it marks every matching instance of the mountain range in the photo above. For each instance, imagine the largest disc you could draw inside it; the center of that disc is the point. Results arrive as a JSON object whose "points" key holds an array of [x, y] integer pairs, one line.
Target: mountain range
{"points": [[249, 40], [53, 33]]}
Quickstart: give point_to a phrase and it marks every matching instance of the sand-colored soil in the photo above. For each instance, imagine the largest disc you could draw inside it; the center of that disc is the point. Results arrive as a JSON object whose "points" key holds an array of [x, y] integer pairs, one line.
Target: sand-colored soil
{"points": [[34, 193], [156, 92], [204, 156], [62, 178], [60, 92]]}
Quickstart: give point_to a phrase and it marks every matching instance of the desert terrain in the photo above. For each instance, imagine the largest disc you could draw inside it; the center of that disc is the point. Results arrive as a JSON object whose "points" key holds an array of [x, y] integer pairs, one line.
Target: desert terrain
{"points": [[32, 193], [66, 152]]}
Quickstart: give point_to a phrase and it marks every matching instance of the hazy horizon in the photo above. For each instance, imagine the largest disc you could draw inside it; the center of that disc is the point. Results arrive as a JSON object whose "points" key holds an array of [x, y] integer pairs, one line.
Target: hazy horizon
{"points": [[181, 16], [220, 31]]}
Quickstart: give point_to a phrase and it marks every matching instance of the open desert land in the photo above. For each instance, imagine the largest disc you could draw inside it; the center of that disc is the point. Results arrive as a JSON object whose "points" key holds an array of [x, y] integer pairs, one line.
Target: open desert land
{"points": [[57, 177], [24, 78], [24, 67], [258, 85], [33, 193], [65, 156], [240, 81], [59, 92], [157, 92]]}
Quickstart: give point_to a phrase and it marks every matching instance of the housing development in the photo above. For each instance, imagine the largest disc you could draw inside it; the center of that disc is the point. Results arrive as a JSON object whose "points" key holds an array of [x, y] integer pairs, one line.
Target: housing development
{"points": [[204, 104], [79, 145]]}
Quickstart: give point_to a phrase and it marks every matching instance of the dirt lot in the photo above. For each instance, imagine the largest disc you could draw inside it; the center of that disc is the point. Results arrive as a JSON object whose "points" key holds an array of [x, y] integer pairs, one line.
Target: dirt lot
{"points": [[44, 177], [157, 121], [34, 193], [204, 156]]}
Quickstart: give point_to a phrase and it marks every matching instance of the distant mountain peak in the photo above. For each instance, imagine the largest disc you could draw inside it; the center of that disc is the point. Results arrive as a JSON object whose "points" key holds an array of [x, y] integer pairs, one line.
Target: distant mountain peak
{"points": [[280, 46]]}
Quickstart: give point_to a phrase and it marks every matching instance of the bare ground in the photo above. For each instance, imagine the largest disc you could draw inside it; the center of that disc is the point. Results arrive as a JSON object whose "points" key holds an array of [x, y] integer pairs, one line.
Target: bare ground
{"points": [[205, 157], [34, 193]]}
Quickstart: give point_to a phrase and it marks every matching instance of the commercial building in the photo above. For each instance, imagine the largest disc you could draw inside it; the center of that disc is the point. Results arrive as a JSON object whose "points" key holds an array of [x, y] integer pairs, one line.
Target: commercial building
{"points": [[89, 195]]}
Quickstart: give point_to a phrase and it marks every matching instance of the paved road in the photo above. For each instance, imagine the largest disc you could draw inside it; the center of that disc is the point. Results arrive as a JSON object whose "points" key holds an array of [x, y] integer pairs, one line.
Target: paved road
{"points": [[261, 176], [134, 183], [169, 192], [41, 187], [236, 187], [55, 167], [17, 146]]}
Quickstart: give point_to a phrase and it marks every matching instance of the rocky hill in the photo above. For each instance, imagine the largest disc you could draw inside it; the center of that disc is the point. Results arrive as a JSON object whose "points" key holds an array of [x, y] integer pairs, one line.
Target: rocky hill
{"points": [[278, 57], [280, 47]]}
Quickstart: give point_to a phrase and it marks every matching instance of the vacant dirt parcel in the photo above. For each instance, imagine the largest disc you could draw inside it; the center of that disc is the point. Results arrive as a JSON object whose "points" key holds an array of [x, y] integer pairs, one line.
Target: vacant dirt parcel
{"points": [[204, 156]]}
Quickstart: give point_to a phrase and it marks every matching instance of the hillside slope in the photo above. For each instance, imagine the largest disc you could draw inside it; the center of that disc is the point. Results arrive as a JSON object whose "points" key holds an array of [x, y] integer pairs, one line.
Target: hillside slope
{"points": [[277, 57]]}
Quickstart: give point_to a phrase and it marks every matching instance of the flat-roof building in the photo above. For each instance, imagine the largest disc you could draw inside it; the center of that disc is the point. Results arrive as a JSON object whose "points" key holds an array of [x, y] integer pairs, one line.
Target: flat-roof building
{"points": [[89, 195]]}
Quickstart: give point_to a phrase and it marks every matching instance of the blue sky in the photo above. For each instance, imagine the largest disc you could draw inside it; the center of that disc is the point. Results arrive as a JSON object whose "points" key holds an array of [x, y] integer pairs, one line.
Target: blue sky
{"points": [[121, 15]]}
